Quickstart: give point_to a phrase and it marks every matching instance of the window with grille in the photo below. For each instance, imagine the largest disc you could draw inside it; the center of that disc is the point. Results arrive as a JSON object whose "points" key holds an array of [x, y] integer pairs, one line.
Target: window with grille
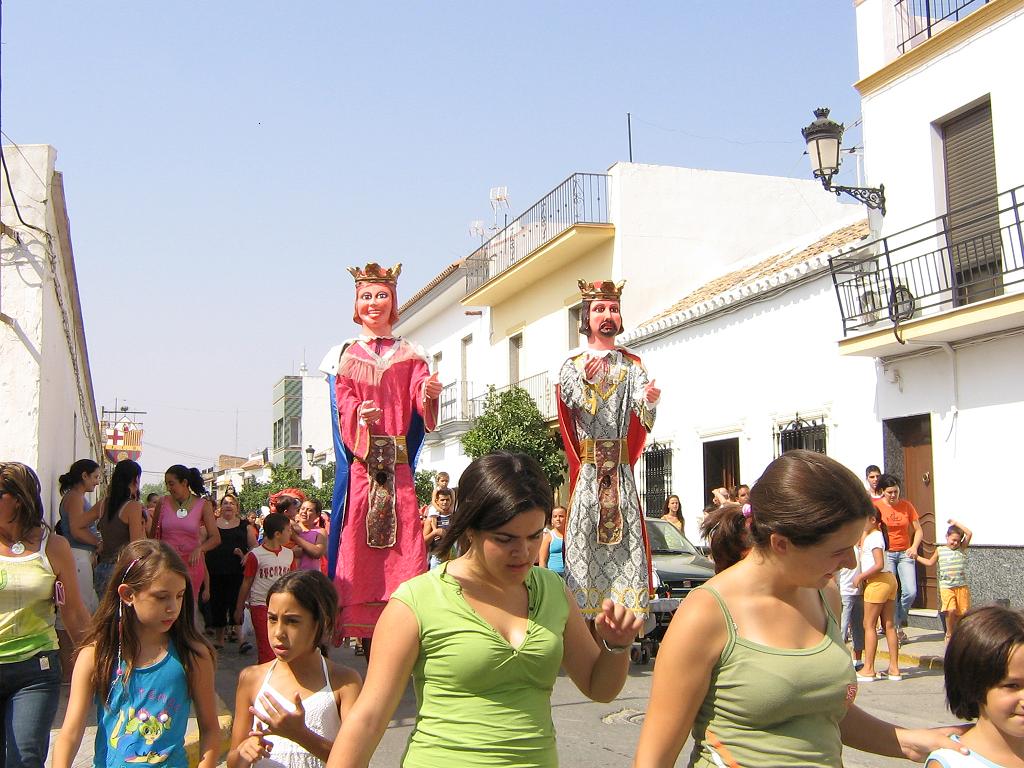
{"points": [[574, 325], [515, 349], [656, 483], [801, 434]]}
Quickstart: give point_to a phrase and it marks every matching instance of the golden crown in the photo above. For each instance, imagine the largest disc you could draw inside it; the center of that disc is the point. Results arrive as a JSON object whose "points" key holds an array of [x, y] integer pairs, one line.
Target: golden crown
{"points": [[375, 273], [603, 289]]}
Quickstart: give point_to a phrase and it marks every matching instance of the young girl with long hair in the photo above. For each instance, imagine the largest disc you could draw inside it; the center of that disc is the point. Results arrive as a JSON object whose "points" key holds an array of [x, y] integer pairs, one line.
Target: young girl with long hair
{"points": [[984, 669], [78, 522], [770, 682], [880, 590], [144, 664], [120, 519], [289, 710]]}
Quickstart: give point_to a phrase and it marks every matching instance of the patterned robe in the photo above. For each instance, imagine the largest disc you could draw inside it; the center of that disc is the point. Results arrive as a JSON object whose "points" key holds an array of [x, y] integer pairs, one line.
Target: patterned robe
{"points": [[378, 538], [606, 549]]}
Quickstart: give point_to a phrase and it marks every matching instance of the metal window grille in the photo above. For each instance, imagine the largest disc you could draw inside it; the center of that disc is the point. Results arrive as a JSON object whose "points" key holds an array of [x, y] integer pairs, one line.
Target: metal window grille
{"points": [[801, 434], [657, 478]]}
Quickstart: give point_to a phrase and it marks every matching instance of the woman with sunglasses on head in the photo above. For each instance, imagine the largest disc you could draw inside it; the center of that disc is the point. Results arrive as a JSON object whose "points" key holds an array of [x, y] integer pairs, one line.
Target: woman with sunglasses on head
{"points": [[37, 576], [78, 522], [179, 517]]}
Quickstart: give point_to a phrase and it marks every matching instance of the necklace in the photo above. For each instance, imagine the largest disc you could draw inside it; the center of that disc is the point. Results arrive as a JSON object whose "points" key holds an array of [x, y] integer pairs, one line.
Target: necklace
{"points": [[184, 507]]}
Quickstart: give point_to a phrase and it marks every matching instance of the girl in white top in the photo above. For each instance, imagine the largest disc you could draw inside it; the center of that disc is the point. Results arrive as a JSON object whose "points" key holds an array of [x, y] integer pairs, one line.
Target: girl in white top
{"points": [[289, 710], [880, 588]]}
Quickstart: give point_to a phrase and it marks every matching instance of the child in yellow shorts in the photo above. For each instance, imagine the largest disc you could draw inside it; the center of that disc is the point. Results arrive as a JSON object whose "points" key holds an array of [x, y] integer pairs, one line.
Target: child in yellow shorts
{"points": [[954, 594]]}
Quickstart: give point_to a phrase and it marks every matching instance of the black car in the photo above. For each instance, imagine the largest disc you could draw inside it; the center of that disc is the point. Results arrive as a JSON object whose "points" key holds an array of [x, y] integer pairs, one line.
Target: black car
{"points": [[680, 567]]}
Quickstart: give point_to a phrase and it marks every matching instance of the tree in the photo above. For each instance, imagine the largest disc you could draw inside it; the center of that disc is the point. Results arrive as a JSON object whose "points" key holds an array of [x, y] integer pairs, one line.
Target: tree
{"points": [[254, 495], [512, 422], [425, 479], [148, 488]]}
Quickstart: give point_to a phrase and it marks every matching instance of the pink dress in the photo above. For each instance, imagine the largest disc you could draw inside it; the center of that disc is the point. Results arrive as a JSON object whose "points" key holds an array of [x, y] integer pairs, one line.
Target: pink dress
{"points": [[367, 575], [182, 534]]}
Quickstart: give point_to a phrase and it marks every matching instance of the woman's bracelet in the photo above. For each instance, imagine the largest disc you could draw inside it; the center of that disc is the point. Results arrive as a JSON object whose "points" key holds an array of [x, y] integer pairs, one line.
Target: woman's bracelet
{"points": [[615, 648]]}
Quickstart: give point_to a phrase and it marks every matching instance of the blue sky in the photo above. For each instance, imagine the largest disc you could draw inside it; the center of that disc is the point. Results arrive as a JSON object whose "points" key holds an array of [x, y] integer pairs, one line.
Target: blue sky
{"points": [[225, 162]]}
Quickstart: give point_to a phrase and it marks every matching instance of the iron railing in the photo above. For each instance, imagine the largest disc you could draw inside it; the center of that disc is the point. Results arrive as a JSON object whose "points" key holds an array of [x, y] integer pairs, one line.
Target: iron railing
{"points": [[455, 403], [539, 386], [655, 478], [580, 199], [967, 255], [803, 435], [918, 20]]}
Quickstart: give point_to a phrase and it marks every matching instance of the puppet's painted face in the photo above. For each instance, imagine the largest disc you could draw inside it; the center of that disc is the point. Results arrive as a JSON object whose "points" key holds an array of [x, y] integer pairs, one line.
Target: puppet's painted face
{"points": [[605, 319], [374, 305]]}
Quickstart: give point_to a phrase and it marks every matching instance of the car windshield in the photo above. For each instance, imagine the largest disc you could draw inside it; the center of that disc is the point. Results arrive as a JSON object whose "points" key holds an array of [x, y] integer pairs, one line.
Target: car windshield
{"points": [[665, 539]]}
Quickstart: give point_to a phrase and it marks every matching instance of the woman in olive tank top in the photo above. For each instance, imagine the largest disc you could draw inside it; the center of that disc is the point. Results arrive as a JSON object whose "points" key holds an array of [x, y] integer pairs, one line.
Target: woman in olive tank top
{"points": [[770, 682]]}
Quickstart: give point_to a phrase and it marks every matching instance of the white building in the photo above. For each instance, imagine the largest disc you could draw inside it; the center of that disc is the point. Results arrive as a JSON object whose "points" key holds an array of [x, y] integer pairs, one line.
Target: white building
{"points": [[302, 420], [938, 303], [748, 367], [452, 337], [47, 406]]}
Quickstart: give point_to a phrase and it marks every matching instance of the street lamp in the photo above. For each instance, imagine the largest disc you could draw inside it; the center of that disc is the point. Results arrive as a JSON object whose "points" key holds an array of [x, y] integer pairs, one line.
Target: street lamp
{"points": [[310, 453], [824, 138]]}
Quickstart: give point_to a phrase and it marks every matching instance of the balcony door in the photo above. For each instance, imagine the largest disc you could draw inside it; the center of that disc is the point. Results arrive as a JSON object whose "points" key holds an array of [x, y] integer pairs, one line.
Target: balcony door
{"points": [[975, 249]]}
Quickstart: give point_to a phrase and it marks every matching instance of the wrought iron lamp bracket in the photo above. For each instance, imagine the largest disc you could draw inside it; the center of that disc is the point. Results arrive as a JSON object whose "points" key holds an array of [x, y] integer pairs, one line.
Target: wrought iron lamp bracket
{"points": [[871, 197]]}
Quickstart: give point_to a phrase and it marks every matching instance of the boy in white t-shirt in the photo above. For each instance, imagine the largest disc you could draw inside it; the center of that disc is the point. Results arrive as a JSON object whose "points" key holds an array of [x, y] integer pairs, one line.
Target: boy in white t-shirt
{"points": [[853, 610], [263, 566]]}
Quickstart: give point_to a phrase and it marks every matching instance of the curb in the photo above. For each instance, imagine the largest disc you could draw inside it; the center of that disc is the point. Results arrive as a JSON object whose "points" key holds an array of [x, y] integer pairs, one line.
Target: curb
{"points": [[224, 721], [924, 661]]}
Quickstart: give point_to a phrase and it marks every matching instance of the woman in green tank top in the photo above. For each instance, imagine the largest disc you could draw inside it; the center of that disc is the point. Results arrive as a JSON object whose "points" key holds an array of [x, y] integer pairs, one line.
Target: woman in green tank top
{"points": [[484, 637], [770, 682]]}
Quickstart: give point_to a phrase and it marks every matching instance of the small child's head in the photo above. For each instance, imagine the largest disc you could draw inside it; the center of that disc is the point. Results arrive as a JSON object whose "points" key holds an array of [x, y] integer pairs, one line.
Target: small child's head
{"points": [[301, 607], [276, 529], [309, 513], [442, 479], [148, 589], [984, 664], [954, 536]]}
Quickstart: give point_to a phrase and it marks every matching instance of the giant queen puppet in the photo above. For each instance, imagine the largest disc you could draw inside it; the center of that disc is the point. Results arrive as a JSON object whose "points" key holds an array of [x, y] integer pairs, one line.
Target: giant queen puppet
{"points": [[606, 409], [383, 400]]}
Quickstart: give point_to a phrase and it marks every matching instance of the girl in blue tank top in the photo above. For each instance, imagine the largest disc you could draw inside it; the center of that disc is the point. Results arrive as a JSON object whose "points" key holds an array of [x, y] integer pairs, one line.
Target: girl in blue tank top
{"points": [[145, 665], [552, 551]]}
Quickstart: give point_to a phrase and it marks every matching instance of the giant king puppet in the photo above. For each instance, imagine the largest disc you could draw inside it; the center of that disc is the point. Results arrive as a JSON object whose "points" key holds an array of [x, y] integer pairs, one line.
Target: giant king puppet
{"points": [[383, 399], [606, 408]]}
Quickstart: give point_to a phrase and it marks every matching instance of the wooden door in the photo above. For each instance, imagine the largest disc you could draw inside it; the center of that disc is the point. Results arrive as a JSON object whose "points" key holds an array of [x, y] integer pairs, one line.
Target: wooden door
{"points": [[721, 465], [915, 435]]}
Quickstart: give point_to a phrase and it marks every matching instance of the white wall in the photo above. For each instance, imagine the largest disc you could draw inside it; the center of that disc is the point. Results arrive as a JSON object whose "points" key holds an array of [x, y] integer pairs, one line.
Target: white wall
{"points": [[677, 228], [316, 419], [902, 138], [740, 374], [41, 420], [975, 435]]}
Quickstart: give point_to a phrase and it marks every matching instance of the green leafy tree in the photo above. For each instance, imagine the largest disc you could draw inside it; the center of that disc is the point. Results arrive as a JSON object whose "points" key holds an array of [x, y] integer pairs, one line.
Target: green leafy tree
{"points": [[252, 495], [148, 488], [512, 422], [425, 479]]}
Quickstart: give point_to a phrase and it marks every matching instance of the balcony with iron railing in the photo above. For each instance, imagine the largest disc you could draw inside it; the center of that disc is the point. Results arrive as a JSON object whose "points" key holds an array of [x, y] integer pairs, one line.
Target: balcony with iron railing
{"points": [[540, 387], [920, 20], [576, 210], [954, 277], [456, 403]]}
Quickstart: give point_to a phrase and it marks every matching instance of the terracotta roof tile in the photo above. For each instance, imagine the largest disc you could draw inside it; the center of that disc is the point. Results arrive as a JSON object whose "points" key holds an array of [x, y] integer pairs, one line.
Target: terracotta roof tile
{"points": [[763, 269], [431, 285]]}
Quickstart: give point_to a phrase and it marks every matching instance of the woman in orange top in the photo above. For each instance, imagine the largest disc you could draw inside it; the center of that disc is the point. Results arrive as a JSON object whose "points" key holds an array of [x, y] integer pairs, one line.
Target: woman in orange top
{"points": [[905, 535]]}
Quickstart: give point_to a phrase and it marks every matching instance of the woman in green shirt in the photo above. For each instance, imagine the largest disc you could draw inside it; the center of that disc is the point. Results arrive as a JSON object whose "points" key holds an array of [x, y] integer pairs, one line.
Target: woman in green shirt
{"points": [[484, 637], [770, 682]]}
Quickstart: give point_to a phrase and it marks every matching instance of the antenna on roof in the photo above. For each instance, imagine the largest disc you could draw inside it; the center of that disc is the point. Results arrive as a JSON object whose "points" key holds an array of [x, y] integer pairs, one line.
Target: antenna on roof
{"points": [[499, 199], [476, 229]]}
